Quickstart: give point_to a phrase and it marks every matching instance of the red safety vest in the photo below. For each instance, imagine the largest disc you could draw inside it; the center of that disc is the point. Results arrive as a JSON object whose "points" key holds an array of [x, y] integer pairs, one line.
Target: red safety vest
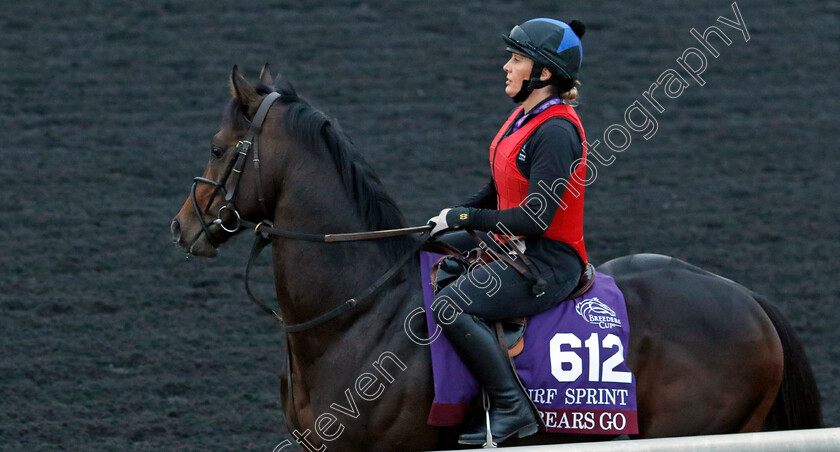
{"points": [[512, 187]]}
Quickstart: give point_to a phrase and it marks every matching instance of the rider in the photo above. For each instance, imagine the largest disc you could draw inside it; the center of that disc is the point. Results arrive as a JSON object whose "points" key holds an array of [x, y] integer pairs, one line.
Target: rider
{"points": [[534, 201]]}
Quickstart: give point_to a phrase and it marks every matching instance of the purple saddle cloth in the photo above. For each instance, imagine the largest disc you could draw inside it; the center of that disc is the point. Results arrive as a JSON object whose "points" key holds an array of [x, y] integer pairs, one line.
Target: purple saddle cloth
{"points": [[573, 364]]}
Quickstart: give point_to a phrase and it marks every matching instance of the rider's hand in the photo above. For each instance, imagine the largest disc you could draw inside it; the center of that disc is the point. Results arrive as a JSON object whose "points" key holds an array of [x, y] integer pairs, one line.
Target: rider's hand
{"points": [[448, 219]]}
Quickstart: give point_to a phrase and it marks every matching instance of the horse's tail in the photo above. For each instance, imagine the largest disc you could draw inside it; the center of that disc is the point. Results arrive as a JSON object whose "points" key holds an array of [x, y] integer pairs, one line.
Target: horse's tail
{"points": [[797, 404]]}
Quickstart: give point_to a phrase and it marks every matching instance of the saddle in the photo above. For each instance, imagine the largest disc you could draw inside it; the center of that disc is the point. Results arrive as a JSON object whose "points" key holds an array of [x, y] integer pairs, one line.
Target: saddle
{"points": [[509, 332]]}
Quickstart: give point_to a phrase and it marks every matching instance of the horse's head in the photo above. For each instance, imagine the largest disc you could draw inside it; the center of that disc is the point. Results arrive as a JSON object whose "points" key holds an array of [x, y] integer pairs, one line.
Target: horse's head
{"points": [[291, 159], [230, 186]]}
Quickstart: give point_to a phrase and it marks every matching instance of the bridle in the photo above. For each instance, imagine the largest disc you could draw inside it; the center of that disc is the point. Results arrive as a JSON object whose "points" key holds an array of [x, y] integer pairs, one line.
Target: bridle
{"points": [[264, 230], [234, 171]]}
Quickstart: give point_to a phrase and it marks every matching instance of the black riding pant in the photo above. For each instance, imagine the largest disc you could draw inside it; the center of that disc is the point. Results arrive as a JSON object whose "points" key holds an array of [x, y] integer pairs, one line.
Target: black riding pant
{"points": [[496, 290]]}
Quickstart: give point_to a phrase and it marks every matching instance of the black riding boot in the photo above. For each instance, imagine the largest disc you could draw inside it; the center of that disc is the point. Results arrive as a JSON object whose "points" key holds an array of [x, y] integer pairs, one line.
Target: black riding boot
{"points": [[511, 411]]}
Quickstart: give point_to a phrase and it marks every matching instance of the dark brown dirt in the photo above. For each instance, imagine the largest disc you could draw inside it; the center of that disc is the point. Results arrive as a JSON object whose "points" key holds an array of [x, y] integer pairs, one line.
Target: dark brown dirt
{"points": [[112, 340]]}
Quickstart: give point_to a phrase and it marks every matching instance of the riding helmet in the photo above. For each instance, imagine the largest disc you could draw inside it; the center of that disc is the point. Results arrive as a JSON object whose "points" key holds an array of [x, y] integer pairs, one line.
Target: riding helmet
{"points": [[552, 44]]}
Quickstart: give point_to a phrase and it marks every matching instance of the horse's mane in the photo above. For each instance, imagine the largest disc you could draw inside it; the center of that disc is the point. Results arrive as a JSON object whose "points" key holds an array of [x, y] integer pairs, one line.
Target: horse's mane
{"points": [[318, 132]]}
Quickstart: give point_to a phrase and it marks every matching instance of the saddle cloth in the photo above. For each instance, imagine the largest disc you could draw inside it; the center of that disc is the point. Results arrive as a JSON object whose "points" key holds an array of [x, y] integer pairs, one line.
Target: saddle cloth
{"points": [[572, 365]]}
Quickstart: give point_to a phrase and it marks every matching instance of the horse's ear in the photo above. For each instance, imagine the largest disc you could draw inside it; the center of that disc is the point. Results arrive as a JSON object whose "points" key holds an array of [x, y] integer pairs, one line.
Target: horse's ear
{"points": [[241, 89], [265, 76]]}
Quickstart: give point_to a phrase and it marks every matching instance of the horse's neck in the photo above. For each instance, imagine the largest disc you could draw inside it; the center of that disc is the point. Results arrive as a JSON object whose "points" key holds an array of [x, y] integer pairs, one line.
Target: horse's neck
{"points": [[312, 278], [365, 342]]}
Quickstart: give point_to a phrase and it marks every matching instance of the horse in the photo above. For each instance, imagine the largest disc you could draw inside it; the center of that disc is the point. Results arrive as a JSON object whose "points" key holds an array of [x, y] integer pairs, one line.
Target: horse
{"points": [[709, 356]]}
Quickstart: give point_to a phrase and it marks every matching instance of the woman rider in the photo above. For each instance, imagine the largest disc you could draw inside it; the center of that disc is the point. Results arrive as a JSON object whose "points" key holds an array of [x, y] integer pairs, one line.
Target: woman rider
{"points": [[534, 201]]}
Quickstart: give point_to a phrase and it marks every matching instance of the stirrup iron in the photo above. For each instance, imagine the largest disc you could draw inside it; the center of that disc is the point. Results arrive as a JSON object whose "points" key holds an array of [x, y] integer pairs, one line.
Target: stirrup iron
{"points": [[488, 442]]}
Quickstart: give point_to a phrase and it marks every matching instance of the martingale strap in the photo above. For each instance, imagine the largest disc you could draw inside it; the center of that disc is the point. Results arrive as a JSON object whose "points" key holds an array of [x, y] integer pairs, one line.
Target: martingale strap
{"points": [[261, 242]]}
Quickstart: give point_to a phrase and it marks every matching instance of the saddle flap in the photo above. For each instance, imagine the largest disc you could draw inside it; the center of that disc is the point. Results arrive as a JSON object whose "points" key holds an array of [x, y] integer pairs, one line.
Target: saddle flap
{"points": [[511, 334]]}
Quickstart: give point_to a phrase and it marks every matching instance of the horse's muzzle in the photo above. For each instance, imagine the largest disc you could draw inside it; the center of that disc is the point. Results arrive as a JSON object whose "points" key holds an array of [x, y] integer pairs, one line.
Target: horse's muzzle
{"points": [[198, 245]]}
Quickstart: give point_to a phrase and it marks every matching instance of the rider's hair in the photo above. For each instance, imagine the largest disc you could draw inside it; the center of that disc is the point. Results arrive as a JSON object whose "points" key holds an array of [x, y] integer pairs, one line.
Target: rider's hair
{"points": [[565, 88]]}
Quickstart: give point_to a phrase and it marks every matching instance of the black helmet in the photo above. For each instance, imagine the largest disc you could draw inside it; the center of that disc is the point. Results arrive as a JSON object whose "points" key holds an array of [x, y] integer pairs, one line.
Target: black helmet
{"points": [[552, 44]]}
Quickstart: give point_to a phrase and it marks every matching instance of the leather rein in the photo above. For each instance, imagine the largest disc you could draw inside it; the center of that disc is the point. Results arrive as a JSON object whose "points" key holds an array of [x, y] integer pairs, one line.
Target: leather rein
{"points": [[264, 230]]}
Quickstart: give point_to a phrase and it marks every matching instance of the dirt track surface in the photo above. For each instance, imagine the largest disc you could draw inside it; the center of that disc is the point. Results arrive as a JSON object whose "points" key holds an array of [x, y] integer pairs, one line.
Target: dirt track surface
{"points": [[111, 339]]}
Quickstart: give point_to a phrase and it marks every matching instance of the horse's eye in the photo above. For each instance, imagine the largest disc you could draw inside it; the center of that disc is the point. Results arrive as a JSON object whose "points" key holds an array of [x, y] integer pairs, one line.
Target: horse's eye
{"points": [[217, 151]]}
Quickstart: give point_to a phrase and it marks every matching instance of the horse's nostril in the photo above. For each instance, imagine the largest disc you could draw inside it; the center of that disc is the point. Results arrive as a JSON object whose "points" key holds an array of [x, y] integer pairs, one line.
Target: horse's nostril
{"points": [[175, 227]]}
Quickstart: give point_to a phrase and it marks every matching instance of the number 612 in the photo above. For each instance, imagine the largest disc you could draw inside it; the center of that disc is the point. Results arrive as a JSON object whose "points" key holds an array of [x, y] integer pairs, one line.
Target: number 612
{"points": [[561, 359]]}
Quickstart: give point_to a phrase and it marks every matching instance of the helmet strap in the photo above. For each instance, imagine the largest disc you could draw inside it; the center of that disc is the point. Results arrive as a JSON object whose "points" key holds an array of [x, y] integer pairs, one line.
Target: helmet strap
{"points": [[534, 82]]}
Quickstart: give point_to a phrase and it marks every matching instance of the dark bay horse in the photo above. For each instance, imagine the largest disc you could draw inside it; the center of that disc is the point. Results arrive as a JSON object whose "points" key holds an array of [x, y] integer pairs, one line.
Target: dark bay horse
{"points": [[709, 356]]}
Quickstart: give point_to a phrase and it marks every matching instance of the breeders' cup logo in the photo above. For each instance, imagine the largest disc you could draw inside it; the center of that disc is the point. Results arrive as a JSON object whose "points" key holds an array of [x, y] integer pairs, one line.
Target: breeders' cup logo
{"points": [[597, 313]]}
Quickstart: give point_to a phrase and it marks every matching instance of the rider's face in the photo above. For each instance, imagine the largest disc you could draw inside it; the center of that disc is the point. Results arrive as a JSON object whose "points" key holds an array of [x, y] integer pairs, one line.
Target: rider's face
{"points": [[518, 69]]}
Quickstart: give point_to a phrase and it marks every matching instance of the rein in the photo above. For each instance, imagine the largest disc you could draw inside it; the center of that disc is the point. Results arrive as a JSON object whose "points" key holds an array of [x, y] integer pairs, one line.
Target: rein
{"points": [[264, 230]]}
